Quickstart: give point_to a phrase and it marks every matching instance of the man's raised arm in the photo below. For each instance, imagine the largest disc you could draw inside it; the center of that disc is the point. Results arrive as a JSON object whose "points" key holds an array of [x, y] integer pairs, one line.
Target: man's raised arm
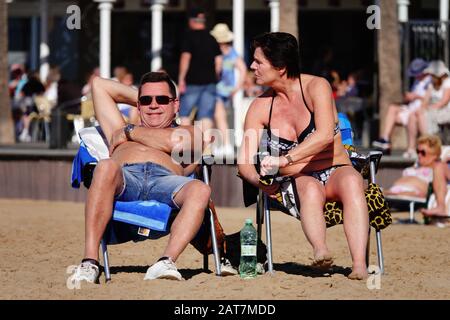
{"points": [[106, 94]]}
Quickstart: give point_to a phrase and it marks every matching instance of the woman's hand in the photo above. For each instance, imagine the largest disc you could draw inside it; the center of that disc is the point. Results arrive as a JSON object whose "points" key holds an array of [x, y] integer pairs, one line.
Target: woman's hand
{"points": [[270, 190], [270, 165]]}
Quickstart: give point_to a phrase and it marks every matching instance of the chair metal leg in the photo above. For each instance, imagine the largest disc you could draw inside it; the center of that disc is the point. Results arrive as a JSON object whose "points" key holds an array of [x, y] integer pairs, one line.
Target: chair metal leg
{"points": [[268, 234], [205, 262], [213, 230], [106, 260], [373, 170], [259, 213], [214, 245], [380, 252], [411, 212], [368, 250]]}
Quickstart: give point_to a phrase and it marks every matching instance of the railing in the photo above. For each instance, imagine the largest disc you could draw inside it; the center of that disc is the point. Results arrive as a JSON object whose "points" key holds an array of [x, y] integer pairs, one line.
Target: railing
{"points": [[426, 39]]}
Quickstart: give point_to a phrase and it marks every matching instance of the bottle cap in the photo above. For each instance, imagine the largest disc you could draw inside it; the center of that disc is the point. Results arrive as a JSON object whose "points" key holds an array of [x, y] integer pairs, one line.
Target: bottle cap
{"points": [[248, 221]]}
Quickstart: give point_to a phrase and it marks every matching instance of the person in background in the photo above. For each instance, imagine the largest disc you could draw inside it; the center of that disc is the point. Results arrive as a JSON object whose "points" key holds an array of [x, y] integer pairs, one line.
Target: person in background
{"points": [[436, 103], [429, 169], [348, 88], [228, 84], [51, 85], [32, 88], [200, 68], [86, 90], [405, 113]]}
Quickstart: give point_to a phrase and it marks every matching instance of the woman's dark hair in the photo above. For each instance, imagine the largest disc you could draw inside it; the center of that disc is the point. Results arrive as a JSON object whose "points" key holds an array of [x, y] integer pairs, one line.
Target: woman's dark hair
{"points": [[153, 77], [281, 49]]}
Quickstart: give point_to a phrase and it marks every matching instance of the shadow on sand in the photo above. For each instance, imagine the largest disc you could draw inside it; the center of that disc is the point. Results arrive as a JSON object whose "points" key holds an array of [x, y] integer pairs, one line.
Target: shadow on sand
{"points": [[186, 273], [309, 271]]}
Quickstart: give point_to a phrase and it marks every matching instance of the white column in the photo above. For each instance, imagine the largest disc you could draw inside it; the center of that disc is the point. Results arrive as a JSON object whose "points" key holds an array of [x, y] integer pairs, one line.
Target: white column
{"points": [[238, 44], [443, 17], [156, 8], [274, 6], [403, 15], [105, 7], [443, 10], [44, 50]]}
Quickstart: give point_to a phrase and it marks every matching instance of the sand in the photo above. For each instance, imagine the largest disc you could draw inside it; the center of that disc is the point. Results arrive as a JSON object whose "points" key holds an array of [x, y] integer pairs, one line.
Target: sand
{"points": [[40, 240]]}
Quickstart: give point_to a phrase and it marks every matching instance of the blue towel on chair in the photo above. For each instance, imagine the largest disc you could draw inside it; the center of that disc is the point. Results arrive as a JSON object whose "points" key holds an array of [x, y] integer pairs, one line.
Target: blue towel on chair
{"points": [[148, 214], [346, 129], [82, 158]]}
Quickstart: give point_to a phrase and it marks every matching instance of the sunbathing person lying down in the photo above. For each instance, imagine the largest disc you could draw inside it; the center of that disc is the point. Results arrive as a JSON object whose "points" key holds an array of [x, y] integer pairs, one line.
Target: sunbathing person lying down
{"points": [[428, 169]]}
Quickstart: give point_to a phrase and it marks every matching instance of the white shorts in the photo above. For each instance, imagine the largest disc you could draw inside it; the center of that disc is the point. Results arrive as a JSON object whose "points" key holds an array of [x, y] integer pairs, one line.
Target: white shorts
{"points": [[406, 110]]}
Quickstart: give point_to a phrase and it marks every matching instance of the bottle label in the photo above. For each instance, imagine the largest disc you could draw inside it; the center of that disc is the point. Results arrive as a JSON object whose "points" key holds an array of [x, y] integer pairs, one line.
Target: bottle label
{"points": [[248, 250]]}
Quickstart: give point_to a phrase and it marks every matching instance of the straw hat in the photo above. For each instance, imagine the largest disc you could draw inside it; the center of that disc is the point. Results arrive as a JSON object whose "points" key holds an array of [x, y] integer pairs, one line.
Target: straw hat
{"points": [[437, 68], [222, 33]]}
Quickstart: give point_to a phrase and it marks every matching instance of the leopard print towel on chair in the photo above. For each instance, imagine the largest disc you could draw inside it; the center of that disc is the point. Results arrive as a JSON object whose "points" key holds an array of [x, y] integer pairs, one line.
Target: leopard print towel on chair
{"points": [[379, 212]]}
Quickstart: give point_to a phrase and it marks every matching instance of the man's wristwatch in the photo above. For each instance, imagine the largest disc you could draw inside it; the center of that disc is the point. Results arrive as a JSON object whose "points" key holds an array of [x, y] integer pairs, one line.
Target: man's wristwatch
{"points": [[127, 129], [288, 158]]}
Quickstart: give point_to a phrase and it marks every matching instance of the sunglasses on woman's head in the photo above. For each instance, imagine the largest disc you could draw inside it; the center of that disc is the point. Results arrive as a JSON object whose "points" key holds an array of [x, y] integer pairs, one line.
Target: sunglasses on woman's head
{"points": [[162, 100]]}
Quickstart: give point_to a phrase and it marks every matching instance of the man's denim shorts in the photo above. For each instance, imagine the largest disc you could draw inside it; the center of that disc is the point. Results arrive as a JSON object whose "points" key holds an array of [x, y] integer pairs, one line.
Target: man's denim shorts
{"points": [[201, 96], [150, 181]]}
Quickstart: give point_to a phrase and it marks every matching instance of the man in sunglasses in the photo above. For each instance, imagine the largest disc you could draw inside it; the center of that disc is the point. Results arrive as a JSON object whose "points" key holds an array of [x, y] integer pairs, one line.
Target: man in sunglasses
{"points": [[141, 168]]}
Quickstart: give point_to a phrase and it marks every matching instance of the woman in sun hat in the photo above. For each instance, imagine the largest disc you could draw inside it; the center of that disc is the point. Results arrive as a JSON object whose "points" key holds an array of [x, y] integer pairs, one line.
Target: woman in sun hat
{"points": [[404, 113], [436, 103], [228, 84]]}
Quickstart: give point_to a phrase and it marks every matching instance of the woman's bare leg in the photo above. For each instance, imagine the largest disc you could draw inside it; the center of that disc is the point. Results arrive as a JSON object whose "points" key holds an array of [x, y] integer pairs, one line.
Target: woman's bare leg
{"points": [[312, 199], [440, 191], [412, 131], [391, 119], [346, 185], [421, 121], [220, 117]]}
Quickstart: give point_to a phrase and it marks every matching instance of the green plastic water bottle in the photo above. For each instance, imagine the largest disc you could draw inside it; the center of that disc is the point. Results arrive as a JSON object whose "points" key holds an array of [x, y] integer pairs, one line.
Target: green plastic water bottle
{"points": [[247, 265]]}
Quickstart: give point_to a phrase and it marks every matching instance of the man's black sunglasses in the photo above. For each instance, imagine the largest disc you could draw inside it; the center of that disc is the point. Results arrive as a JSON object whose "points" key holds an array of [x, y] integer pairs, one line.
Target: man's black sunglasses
{"points": [[146, 100]]}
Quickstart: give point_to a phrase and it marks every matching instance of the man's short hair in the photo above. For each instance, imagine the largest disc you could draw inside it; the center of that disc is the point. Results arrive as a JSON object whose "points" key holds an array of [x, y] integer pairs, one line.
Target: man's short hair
{"points": [[195, 13], [152, 77]]}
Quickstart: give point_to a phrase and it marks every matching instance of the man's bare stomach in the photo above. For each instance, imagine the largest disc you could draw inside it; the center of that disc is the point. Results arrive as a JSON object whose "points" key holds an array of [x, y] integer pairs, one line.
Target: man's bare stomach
{"points": [[133, 152]]}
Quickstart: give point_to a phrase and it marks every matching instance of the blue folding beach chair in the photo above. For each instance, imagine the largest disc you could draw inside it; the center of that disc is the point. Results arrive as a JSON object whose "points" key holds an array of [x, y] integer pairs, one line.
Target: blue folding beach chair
{"points": [[136, 220]]}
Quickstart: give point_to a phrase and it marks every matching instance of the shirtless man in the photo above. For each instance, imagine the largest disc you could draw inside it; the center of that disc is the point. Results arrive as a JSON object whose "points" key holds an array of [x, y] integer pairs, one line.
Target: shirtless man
{"points": [[141, 168]]}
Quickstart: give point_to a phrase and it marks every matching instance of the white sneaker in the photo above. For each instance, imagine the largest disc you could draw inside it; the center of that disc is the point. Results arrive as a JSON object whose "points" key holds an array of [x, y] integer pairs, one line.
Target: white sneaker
{"points": [[164, 269], [226, 269], [86, 271], [24, 136]]}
